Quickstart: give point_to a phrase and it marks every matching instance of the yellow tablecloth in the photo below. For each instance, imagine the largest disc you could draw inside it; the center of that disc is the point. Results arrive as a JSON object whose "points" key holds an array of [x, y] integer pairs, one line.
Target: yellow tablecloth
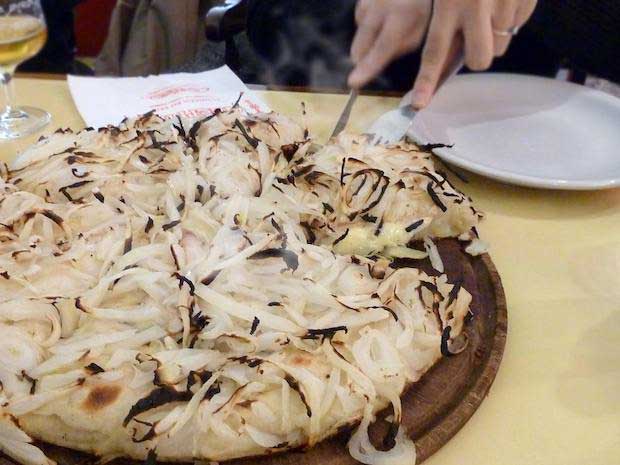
{"points": [[556, 399]]}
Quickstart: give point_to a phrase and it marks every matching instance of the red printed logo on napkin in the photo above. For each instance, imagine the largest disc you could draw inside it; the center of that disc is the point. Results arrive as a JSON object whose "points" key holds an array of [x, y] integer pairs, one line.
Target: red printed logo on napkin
{"points": [[168, 91], [191, 101]]}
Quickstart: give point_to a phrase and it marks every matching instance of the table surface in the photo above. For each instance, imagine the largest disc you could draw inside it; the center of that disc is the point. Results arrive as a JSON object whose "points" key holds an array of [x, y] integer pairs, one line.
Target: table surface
{"points": [[556, 399]]}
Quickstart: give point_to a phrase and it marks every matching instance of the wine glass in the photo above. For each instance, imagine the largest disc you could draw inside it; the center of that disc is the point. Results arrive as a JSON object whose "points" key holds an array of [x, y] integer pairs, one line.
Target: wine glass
{"points": [[23, 33]]}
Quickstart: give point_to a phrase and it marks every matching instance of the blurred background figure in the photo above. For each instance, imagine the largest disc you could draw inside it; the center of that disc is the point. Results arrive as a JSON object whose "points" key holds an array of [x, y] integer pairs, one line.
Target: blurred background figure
{"points": [[58, 54], [122, 37], [152, 36]]}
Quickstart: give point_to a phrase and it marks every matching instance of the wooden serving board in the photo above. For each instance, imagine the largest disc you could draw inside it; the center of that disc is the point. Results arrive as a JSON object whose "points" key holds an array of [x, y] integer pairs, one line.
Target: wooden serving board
{"points": [[434, 408]]}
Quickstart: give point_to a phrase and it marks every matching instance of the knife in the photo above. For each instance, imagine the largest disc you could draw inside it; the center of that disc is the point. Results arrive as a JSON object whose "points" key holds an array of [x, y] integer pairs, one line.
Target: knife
{"points": [[394, 125], [344, 116]]}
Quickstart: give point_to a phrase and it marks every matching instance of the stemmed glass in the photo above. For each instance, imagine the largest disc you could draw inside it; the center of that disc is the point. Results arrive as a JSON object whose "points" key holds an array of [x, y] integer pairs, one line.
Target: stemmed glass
{"points": [[23, 33]]}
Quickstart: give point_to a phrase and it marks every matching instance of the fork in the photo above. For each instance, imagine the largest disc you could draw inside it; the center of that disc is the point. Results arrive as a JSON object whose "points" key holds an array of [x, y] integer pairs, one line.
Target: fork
{"points": [[394, 125]]}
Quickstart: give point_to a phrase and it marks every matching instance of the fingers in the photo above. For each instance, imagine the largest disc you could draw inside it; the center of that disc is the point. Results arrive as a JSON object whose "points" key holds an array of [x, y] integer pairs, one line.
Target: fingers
{"points": [[361, 9], [454, 57], [503, 20], [386, 30], [384, 49], [478, 34], [440, 37], [508, 14], [367, 31], [524, 11]]}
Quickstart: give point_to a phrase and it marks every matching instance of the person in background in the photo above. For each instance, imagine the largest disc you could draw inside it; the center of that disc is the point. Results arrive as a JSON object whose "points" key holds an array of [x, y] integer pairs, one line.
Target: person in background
{"points": [[152, 36], [58, 54], [289, 35]]}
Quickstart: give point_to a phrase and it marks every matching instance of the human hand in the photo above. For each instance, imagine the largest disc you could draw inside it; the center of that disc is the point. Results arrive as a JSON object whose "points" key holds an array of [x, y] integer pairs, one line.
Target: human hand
{"points": [[484, 27], [386, 30]]}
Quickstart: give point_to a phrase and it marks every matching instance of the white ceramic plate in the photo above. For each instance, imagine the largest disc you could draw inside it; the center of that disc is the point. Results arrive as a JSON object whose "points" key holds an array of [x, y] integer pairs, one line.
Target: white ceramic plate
{"points": [[526, 130]]}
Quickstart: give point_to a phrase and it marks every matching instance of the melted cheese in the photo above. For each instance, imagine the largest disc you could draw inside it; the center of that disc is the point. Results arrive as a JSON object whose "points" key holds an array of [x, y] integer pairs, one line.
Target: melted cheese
{"points": [[361, 240]]}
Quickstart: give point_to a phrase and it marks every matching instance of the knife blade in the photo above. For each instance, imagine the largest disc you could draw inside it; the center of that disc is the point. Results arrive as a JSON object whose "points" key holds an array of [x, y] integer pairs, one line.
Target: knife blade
{"points": [[346, 113]]}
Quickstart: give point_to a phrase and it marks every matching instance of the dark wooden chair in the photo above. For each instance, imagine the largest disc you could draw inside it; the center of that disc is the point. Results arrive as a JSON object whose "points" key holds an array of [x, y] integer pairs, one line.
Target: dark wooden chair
{"points": [[223, 22]]}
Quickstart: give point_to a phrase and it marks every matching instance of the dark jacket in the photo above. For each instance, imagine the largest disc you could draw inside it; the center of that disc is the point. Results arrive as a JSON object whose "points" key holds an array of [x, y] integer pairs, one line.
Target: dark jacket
{"points": [[583, 33]]}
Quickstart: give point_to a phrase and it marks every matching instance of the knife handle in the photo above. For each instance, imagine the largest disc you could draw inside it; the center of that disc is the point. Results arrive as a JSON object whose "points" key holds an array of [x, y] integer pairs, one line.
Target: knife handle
{"points": [[451, 70]]}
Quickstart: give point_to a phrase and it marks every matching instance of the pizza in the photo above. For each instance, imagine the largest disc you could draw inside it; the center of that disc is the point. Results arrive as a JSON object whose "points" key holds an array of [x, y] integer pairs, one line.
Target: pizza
{"points": [[220, 288]]}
